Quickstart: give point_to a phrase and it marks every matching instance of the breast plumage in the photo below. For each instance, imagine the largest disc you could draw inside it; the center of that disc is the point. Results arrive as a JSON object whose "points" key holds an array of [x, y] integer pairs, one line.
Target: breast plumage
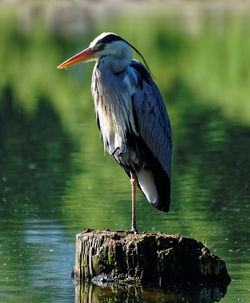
{"points": [[113, 107]]}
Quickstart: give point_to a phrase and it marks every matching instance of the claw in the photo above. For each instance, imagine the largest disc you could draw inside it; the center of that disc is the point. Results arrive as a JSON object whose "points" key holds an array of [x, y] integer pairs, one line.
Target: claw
{"points": [[134, 230]]}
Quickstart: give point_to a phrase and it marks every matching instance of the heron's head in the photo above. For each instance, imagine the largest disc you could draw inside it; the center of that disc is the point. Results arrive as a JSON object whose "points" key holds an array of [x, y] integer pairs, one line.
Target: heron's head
{"points": [[104, 45]]}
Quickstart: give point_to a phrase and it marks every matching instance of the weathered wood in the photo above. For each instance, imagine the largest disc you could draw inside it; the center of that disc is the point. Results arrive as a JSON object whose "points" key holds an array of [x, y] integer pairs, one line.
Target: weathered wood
{"points": [[158, 260]]}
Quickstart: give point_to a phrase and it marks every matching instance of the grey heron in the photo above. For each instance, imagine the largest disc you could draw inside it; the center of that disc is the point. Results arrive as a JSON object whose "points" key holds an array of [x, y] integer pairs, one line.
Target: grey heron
{"points": [[131, 116]]}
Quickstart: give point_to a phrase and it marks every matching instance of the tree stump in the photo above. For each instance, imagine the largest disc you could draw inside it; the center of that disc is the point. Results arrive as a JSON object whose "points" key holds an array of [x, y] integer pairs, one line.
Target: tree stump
{"points": [[157, 260]]}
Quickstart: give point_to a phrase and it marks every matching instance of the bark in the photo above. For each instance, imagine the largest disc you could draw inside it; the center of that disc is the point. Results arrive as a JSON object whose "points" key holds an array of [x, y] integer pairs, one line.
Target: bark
{"points": [[158, 260]]}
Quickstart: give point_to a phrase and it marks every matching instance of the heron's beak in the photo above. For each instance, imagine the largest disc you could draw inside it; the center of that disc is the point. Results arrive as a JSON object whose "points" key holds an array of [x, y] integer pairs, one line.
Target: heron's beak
{"points": [[85, 55]]}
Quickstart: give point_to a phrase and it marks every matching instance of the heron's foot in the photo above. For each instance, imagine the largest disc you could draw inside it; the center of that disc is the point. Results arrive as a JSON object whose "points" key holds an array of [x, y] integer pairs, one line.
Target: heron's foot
{"points": [[134, 230]]}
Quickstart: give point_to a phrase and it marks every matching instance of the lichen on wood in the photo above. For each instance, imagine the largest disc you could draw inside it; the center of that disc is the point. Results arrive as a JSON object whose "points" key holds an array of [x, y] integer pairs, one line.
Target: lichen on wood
{"points": [[158, 260]]}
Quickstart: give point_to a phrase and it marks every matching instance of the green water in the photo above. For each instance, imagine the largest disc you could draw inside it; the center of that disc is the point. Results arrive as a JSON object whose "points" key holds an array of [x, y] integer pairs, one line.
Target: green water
{"points": [[56, 180]]}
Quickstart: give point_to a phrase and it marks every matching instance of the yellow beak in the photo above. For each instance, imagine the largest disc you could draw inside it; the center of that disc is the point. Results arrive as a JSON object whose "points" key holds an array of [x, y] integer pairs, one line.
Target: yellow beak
{"points": [[85, 55]]}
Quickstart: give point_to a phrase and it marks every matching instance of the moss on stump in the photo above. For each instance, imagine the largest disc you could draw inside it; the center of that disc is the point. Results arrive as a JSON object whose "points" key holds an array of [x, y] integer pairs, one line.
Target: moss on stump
{"points": [[158, 260]]}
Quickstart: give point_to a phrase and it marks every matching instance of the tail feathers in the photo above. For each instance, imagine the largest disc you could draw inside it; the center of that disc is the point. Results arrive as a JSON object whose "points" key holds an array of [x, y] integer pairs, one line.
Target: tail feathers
{"points": [[155, 185], [147, 185]]}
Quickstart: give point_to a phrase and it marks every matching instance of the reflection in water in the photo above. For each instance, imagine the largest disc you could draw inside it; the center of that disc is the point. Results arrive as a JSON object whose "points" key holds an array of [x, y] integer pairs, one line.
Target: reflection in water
{"points": [[90, 293], [35, 157], [215, 171], [35, 166]]}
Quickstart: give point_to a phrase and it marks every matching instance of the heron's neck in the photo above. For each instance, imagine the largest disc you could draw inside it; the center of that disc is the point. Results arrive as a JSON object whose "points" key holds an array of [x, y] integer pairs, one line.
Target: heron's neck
{"points": [[117, 62]]}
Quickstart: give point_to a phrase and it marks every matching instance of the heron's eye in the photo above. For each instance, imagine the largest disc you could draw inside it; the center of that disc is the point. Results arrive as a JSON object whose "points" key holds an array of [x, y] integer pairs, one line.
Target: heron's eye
{"points": [[102, 46]]}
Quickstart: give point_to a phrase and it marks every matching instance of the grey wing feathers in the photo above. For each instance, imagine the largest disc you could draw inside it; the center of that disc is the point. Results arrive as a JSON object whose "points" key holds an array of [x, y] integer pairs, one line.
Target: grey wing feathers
{"points": [[153, 122]]}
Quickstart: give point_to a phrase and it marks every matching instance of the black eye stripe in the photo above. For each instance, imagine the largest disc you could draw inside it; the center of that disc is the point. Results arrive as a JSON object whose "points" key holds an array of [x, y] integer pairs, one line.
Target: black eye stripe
{"points": [[110, 38], [102, 46]]}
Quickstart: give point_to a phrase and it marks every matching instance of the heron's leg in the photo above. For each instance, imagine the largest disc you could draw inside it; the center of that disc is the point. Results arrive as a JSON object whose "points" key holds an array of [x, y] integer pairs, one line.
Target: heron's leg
{"points": [[133, 180]]}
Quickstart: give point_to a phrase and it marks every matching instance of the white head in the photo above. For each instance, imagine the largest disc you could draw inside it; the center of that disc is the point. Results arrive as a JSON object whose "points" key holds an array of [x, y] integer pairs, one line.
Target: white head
{"points": [[110, 44], [115, 52]]}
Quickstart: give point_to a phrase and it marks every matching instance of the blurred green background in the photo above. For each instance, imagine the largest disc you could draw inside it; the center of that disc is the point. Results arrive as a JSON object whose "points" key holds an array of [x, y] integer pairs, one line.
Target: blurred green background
{"points": [[56, 180]]}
